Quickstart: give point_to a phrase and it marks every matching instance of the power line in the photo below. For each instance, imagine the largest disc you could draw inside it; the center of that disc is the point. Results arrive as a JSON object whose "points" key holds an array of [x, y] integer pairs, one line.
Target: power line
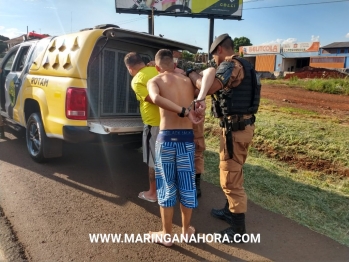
{"points": [[330, 2], [131, 20], [251, 1]]}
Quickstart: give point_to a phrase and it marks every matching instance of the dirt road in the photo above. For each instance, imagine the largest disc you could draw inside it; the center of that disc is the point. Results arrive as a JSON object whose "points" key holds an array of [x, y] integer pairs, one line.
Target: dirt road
{"points": [[326, 104], [52, 209]]}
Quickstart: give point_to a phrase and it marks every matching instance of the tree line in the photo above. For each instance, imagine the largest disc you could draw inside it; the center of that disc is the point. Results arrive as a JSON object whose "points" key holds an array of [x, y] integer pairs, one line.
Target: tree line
{"points": [[3, 45], [238, 41]]}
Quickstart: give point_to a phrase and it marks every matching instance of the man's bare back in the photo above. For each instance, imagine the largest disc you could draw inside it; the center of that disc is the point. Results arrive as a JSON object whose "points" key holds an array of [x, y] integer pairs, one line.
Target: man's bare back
{"points": [[180, 90]]}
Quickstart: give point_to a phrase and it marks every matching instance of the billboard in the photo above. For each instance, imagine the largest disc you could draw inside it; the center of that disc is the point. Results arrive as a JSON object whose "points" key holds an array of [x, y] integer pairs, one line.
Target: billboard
{"points": [[225, 9], [301, 47], [260, 49]]}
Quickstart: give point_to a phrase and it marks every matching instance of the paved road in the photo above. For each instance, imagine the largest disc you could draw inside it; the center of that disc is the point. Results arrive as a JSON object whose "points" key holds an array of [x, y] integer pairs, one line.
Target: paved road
{"points": [[53, 207]]}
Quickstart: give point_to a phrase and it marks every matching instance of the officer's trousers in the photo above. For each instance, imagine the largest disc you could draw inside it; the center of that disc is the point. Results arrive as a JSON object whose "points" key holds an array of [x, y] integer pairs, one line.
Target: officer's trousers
{"points": [[231, 174], [200, 147]]}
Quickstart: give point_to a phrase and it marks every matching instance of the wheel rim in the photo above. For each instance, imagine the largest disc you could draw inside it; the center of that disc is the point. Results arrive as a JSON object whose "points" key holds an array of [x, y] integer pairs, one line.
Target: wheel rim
{"points": [[34, 139]]}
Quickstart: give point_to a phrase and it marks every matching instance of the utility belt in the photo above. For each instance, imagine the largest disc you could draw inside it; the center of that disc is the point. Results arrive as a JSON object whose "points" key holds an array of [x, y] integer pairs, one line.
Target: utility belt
{"points": [[234, 123]]}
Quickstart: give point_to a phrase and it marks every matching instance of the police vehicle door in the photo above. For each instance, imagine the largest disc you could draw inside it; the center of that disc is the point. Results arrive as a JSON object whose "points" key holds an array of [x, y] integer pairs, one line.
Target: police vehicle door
{"points": [[14, 81], [5, 69]]}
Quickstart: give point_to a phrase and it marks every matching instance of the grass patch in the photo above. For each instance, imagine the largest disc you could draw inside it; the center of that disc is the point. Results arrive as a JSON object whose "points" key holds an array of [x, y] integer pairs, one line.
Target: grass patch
{"points": [[292, 110], [330, 86], [314, 196], [275, 187], [302, 135]]}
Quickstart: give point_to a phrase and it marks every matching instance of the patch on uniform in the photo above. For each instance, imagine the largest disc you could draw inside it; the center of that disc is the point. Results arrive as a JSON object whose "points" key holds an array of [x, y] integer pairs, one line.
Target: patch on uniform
{"points": [[224, 72]]}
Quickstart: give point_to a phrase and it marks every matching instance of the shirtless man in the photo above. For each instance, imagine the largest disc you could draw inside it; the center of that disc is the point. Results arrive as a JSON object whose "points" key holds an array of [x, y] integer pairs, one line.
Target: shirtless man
{"points": [[175, 148]]}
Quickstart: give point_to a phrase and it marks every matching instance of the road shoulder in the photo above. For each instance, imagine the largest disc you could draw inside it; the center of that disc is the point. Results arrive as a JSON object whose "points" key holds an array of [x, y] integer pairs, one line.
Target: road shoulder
{"points": [[10, 248]]}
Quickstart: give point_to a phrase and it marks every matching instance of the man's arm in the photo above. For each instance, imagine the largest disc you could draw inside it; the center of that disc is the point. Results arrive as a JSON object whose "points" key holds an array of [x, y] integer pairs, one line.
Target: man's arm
{"points": [[141, 91], [162, 102], [197, 81], [208, 76], [148, 99], [154, 93]]}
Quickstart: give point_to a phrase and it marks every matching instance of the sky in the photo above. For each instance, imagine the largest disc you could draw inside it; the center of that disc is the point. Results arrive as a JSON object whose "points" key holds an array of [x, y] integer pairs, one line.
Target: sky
{"points": [[263, 21]]}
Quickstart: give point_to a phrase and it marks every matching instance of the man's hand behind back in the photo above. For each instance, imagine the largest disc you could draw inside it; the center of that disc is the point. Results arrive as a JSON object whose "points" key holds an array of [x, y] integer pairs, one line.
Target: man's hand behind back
{"points": [[196, 117]]}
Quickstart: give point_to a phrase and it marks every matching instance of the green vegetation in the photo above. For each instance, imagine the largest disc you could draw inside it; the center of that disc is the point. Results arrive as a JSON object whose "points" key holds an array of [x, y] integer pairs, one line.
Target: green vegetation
{"points": [[187, 56], [241, 41], [298, 166], [330, 86], [3, 45]]}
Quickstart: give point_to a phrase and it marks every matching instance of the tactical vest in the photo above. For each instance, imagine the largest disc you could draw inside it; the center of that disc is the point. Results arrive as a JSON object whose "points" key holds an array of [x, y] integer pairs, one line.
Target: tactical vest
{"points": [[241, 100]]}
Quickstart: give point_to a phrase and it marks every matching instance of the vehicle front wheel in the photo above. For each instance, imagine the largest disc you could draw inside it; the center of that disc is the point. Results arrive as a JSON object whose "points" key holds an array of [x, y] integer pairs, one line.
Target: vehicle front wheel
{"points": [[36, 138]]}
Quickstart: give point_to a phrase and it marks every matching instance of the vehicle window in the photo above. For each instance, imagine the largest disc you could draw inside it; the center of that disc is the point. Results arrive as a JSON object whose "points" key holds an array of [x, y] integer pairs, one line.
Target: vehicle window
{"points": [[40, 47], [9, 62], [22, 56]]}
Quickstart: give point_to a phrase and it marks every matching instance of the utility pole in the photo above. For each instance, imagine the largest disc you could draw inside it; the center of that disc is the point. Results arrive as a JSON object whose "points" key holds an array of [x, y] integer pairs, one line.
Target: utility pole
{"points": [[152, 15], [210, 37], [151, 22]]}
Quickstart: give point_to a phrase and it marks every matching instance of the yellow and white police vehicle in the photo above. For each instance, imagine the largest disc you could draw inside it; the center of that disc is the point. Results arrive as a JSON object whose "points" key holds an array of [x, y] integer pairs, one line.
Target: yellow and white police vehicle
{"points": [[75, 87]]}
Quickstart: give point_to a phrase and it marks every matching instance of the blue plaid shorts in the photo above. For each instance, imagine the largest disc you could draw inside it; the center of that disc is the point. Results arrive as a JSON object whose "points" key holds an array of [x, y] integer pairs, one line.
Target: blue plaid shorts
{"points": [[175, 168]]}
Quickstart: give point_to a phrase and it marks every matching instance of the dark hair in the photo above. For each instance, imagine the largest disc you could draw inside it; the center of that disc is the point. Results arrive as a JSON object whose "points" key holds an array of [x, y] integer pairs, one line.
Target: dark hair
{"points": [[228, 44], [132, 59]]}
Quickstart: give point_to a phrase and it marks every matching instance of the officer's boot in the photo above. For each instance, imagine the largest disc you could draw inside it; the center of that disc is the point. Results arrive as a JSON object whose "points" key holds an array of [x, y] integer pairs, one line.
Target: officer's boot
{"points": [[223, 213], [2, 132], [197, 183], [234, 233]]}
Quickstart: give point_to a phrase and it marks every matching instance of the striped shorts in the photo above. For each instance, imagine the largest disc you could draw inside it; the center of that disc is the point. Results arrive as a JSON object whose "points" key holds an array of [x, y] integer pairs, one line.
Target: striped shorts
{"points": [[175, 169]]}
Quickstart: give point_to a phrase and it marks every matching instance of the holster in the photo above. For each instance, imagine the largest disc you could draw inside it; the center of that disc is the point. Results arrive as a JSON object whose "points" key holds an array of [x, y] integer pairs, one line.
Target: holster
{"points": [[216, 108], [228, 136], [233, 124]]}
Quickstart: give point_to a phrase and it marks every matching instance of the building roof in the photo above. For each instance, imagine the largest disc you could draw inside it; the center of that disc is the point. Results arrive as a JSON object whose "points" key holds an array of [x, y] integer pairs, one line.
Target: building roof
{"points": [[337, 45], [18, 39]]}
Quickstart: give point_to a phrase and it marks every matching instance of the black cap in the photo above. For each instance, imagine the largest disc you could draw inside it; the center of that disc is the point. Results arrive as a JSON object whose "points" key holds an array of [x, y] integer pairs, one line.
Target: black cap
{"points": [[217, 41]]}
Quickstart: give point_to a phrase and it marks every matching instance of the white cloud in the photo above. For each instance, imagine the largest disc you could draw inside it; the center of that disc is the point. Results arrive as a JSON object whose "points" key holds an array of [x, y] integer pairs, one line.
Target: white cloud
{"points": [[50, 7], [292, 40], [281, 41], [289, 41], [12, 32], [2, 27], [347, 35], [315, 38]]}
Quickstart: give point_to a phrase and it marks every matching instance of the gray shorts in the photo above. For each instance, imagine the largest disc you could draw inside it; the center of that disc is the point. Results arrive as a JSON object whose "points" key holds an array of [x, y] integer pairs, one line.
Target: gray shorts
{"points": [[150, 133]]}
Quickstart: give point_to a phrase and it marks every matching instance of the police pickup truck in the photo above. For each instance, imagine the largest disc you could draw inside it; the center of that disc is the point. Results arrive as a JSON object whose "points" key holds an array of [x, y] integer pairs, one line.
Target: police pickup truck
{"points": [[75, 87]]}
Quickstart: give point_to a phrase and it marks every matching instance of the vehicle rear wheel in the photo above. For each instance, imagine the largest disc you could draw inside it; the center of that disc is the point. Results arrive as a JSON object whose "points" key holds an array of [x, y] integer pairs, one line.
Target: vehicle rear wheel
{"points": [[36, 138]]}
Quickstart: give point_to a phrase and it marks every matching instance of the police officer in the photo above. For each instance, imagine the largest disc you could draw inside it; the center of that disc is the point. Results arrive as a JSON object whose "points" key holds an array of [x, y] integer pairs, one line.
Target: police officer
{"points": [[200, 147], [235, 99]]}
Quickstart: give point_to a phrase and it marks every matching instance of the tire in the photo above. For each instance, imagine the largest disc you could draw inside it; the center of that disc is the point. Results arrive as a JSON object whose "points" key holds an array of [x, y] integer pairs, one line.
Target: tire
{"points": [[36, 138]]}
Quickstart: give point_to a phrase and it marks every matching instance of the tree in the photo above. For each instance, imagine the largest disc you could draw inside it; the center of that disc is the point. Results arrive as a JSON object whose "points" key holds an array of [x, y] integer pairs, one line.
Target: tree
{"points": [[3, 46], [241, 41], [187, 56]]}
